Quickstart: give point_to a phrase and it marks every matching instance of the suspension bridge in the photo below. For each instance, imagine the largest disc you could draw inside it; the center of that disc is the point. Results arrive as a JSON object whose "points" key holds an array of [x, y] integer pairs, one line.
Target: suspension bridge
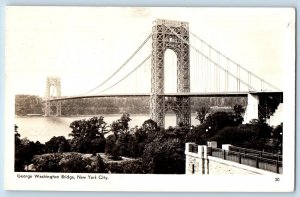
{"points": [[170, 66]]}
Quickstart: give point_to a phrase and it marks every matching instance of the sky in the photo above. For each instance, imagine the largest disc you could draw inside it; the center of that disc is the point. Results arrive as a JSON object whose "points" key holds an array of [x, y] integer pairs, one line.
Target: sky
{"points": [[85, 45]]}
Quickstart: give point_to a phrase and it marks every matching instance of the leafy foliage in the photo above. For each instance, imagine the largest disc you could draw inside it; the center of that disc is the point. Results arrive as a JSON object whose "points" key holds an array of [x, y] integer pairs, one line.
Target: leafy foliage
{"points": [[47, 162], [88, 135], [123, 141], [238, 112], [69, 163], [217, 121], [197, 135], [202, 112], [129, 167], [25, 150], [74, 162], [165, 154], [57, 144], [17, 137], [237, 136], [277, 137], [158, 150], [121, 126]]}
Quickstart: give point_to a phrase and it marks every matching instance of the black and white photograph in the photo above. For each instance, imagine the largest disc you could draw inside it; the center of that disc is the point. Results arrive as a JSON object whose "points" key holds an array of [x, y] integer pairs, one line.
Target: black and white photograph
{"points": [[155, 96]]}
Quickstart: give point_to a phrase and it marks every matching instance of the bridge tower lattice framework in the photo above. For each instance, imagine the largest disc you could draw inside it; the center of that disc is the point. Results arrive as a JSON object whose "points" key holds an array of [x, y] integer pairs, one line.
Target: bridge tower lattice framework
{"points": [[163, 38], [56, 83]]}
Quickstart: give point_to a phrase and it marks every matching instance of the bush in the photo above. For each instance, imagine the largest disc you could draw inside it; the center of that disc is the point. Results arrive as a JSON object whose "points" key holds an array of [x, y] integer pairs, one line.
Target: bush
{"points": [[254, 136], [111, 145], [69, 163], [99, 166], [219, 120], [196, 135], [129, 167], [88, 135], [24, 153], [74, 162], [128, 146], [25, 150], [166, 155], [237, 136], [57, 144], [47, 162]]}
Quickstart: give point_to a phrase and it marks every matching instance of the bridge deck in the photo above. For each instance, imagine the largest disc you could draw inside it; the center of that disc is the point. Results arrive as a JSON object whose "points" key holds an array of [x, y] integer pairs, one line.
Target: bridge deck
{"points": [[191, 94]]}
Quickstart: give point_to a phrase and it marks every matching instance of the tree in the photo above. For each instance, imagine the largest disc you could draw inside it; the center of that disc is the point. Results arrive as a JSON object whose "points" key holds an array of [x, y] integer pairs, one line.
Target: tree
{"points": [[165, 155], [127, 145], [150, 126], [197, 135], [262, 128], [239, 112], [241, 136], [25, 150], [110, 147], [17, 137], [121, 125], [73, 162], [202, 112], [57, 144], [122, 142], [18, 161], [88, 135], [261, 134], [217, 121], [277, 137], [24, 154]]}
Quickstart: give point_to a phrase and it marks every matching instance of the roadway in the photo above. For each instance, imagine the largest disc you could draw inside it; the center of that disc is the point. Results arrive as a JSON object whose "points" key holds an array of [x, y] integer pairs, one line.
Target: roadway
{"points": [[190, 94]]}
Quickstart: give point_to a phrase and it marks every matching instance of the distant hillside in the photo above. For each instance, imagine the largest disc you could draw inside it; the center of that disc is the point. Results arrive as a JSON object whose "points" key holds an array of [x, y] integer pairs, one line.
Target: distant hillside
{"points": [[28, 104], [31, 104], [105, 106]]}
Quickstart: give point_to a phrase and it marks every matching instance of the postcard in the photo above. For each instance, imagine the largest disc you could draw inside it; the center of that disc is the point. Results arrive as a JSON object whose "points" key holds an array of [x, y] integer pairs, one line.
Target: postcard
{"points": [[149, 99]]}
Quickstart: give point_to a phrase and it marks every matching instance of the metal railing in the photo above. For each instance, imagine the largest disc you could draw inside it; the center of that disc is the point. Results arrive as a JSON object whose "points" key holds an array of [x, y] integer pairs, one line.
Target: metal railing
{"points": [[266, 155], [250, 158]]}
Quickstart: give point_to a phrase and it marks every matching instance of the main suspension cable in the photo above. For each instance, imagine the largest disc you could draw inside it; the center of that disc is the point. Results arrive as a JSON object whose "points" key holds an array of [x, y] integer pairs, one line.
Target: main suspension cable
{"points": [[213, 62], [122, 66], [232, 61], [127, 74]]}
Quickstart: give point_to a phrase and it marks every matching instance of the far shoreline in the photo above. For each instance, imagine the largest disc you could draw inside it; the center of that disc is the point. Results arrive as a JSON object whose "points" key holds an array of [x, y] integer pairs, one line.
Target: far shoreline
{"points": [[91, 115]]}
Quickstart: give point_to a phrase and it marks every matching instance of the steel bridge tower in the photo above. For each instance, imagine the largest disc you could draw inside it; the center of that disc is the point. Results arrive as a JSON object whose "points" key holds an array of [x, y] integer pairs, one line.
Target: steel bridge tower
{"points": [[163, 38], [55, 82]]}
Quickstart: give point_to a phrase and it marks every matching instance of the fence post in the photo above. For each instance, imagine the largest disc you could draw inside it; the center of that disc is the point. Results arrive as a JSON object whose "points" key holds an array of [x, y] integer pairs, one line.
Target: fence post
{"points": [[277, 167], [205, 157], [224, 154], [209, 151], [257, 160], [201, 154], [240, 158]]}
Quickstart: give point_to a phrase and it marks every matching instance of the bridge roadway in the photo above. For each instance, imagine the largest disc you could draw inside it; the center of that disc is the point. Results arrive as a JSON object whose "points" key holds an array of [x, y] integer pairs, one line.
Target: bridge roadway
{"points": [[191, 94]]}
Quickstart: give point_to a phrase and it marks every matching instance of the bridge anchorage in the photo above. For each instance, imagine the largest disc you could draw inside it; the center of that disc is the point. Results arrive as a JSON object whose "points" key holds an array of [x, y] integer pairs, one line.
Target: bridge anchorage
{"points": [[55, 83]]}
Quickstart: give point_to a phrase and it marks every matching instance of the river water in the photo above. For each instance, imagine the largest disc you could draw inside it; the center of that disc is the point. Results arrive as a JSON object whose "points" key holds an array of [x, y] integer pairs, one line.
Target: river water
{"points": [[42, 129]]}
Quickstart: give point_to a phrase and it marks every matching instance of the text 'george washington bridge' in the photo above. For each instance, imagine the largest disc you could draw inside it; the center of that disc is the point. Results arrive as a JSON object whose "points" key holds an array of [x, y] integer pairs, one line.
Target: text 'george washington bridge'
{"points": [[196, 69]]}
